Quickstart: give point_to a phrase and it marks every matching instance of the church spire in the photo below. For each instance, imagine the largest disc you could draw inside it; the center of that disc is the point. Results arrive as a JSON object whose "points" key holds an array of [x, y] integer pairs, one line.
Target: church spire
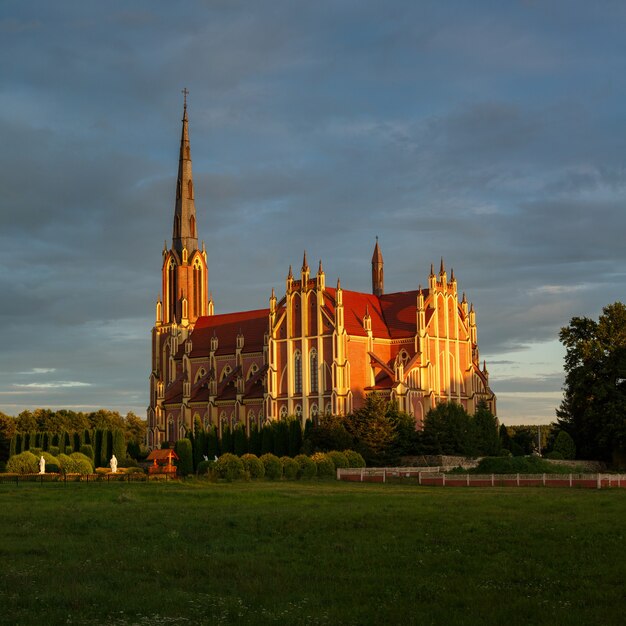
{"points": [[184, 233], [378, 274]]}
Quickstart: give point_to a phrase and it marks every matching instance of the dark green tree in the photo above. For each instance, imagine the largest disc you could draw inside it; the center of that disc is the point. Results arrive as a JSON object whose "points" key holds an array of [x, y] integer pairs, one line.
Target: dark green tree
{"points": [[281, 438], [593, 410], [328, 434], [267, 439], [448, 430], [212, 443], [226, 442], [564, 445], [240, 440], [118, 444], [254, 444], [295, 437], [372, 430], [199, 447], [185, 456], [485, 426]]}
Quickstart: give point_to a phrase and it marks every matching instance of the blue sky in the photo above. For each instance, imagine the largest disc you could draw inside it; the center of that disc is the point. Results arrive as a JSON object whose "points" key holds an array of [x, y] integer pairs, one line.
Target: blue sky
{"points": [[492, 134]]}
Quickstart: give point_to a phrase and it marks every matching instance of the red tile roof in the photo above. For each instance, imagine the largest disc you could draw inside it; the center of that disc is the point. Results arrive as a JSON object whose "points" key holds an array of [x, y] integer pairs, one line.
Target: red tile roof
{"points": [[393, 315], [252, 324]]}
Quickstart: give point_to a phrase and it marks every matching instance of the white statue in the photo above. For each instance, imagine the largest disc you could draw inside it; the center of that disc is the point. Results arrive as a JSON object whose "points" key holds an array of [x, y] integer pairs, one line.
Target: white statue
{"points": [[42, 465], [113, 464]]}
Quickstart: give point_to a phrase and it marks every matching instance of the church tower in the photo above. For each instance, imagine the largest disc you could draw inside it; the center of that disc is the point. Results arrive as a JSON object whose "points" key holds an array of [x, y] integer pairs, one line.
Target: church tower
{"points": [[184, 297], [378, 274], [184, 271]]}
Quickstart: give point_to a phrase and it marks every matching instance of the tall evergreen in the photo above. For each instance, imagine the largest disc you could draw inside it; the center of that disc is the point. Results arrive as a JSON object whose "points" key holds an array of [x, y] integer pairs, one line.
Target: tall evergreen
{"points": [[295, 437], [118, 444], [199, 446], [105, 452], [254, 444], [240, 440], [97, 447], [212, 443], [281, 438], [267, 439], [226, 442]]}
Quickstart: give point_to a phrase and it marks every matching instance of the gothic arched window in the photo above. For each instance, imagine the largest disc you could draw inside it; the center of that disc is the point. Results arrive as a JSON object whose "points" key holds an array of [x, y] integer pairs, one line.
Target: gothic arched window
{"points": [[190, 189], [313, 370], [297, 371]]}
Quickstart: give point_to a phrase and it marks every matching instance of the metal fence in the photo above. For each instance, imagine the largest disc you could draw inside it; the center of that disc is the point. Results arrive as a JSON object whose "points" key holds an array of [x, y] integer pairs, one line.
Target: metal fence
{"points": [[433, 476]]}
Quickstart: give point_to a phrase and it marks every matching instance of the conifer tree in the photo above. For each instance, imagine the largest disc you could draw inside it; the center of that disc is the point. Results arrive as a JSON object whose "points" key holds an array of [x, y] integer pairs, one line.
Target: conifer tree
{"points": [[267, 439], [118, 444], [240, 440], [212, 447], [254, 444], [226, 443], [295, 437]]}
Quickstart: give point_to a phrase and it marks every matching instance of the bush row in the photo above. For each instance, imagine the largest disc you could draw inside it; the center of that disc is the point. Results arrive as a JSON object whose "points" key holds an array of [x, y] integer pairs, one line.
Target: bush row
{"points": [[28, 463], [302, 467]]}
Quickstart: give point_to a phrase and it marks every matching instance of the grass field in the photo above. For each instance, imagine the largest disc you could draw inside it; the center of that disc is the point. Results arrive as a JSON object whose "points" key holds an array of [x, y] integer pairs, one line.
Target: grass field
{"points": [[318, 553]]}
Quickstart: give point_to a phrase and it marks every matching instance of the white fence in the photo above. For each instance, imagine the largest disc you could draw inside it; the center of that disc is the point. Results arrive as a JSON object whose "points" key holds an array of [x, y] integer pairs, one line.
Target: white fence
{"points": [[433, 476]]}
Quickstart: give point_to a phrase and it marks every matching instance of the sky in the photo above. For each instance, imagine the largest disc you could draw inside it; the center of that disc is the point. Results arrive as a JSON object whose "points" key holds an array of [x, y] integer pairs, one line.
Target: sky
{"points": [[492, 134]]}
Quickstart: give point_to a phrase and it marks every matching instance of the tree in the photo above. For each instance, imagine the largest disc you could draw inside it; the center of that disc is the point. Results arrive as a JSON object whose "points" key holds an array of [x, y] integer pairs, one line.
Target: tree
{"points": [[448, 430], [373, 430], [564, 445], [485, 427], [7, 431], [328, 434], [240, 440], [295, 437], [185, 456], [593, 410], [118, 444], [135, 428]]}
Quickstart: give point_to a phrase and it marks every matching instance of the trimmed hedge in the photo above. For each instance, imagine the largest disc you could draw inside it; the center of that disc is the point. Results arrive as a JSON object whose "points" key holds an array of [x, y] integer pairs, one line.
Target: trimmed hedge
{"points": [[325, 465], [229, 466], [253, 465], [307, 467], [354, 458], [204, 467], [339, 459], [290, 468], [273, 466], [23, 463]]}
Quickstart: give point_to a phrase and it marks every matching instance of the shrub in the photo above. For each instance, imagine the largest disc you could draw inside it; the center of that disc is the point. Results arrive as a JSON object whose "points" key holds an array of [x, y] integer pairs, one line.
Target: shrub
{"points": [[87, 450], [273, 466], [307, 468], [229, 466], [564, 444], [325, 466], [554, 455], [23, 463], [52, 468], [339, 459], [185, 457], [54, 450], [134, 470], [103, 470], [118, 444], [290, 468], [205, 467], [240, 440], [253, 465], [354, 458], [52, 463], [76, 463]]}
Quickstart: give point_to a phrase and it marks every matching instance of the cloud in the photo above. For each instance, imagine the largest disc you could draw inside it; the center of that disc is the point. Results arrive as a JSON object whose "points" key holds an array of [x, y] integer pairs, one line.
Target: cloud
{"points": [[38, 370], [56, 384]]}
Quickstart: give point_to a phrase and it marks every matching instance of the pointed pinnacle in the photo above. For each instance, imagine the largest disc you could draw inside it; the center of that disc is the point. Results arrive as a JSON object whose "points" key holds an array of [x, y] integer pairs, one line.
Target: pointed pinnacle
{"points": [[432, 269], [452, 279], [290, 275], [273, 295], [442, 269], [305, 265], [320, 269], [338, 283]]}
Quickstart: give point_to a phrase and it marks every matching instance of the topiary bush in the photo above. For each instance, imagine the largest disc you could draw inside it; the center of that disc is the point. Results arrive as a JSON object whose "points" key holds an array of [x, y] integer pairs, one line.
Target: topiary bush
{"points": [[273, 466], [253, 465], [87, 450], [205, 467], [339, 459], [554, 455], [54, 450], [185, 457], [307, 468], [23, 463], [325, 466], [229, 466], [290, 468], [354, 458]]}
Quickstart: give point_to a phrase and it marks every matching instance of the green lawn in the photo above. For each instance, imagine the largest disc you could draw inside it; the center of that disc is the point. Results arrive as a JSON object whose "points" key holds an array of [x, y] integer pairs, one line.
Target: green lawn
{"points": [[318, 553]]}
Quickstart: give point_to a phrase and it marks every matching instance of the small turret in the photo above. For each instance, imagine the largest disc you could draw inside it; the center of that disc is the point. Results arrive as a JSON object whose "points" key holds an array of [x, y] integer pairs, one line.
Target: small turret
{"points": [[367, 320], [305, 272], [289, 281], [321, 278], [432, 279], [378, 274]]}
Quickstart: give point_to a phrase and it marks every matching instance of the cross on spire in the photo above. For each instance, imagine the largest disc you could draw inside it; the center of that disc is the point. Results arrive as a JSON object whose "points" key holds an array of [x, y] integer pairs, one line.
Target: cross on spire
{"points": [[185, 92]]}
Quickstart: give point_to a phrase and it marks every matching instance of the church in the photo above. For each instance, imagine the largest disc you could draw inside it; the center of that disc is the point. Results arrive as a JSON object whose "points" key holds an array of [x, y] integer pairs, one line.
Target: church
{"points": [[316, 349]]}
